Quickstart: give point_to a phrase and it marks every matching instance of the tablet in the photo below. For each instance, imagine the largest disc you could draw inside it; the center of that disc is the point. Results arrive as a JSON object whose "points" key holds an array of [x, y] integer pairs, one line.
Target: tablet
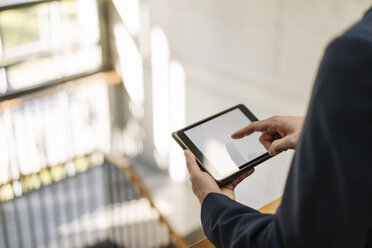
{"points": [[216, 152]]}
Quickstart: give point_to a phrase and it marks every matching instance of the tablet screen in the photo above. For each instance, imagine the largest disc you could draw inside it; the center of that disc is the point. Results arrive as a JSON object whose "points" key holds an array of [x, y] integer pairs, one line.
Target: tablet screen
{"points": [[213, 139]]}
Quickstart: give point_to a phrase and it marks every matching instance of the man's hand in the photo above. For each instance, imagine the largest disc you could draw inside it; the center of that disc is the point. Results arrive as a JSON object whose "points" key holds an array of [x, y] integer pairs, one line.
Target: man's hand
{"points": [[279, 133], [203, 183]]}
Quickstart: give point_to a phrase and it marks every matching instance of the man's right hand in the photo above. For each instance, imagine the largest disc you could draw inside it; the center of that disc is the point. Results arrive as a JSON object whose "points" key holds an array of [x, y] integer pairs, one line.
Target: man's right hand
{"points": [[279, 133]]}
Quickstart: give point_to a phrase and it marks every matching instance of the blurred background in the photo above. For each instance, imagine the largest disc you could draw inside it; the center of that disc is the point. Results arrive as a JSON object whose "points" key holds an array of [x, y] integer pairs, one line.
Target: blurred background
{"points": [[90, 91]]}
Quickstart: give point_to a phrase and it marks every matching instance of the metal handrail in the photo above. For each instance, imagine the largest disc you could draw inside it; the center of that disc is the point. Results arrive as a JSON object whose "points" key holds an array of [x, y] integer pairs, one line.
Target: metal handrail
{"points": [[11, 4], [44, 86], [16, 98]]}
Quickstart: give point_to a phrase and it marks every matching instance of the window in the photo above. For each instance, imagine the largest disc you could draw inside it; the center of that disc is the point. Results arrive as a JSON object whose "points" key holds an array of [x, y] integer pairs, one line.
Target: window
{"points": [[48, 41]]}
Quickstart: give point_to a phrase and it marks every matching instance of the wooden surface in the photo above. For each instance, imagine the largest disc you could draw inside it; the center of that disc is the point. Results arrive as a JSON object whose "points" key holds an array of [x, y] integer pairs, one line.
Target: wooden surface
{"points": [[267, 209], [271, 207], [204, 243]]}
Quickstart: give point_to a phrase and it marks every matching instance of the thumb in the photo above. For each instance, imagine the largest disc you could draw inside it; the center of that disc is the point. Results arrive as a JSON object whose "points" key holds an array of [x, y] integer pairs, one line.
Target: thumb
{"points": [[191, 162], [282, 144]]}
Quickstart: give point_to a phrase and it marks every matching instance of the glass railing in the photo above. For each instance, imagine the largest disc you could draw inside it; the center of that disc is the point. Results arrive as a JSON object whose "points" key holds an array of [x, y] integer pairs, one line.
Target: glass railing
{"points": [[57, 189]]}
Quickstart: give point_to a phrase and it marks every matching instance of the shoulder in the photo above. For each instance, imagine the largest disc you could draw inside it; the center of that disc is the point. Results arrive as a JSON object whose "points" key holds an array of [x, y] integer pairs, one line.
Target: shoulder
{"points": [[348, 61], [349, 50], [354, 45], [345, 71]]}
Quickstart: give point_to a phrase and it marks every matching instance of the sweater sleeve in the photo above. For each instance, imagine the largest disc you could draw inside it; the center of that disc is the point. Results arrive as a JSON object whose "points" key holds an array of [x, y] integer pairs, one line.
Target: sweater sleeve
{"points": [[327, 199]]}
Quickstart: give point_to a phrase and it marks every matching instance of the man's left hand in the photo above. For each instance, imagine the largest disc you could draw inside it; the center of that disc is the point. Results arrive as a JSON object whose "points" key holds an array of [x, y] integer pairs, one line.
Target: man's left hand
{"points": [[203, 183]]}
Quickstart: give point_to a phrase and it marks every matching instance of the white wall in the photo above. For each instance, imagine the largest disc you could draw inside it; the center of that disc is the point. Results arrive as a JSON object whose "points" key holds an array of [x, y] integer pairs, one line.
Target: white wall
{"points": [[263, 53], [274, 44]]}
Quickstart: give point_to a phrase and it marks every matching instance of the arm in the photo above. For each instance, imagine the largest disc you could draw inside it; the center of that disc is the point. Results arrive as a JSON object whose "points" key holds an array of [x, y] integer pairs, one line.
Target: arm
{"points": [[220, 211], [327, 199]]}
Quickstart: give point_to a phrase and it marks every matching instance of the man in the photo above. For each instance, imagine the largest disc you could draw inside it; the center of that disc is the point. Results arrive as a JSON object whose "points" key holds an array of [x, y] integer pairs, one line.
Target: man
{"points": [[327, 200]]}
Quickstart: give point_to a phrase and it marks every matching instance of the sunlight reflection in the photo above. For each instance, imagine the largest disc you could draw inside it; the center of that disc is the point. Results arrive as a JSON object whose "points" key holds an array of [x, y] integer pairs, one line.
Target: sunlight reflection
{"points": [[217, 154], [43, 24], [177, 170], [1, 50], [160, 95], [130, 63], [88, 18], [168, 80], [55, 21], [131, 69], [129, 13], [4, 161], [8, 120], [3, 84]]}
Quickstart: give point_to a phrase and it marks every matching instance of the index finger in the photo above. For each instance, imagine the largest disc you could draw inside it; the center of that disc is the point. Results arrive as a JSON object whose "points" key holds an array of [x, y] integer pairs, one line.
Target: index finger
{"points": [[191, 164], [255, 126]]}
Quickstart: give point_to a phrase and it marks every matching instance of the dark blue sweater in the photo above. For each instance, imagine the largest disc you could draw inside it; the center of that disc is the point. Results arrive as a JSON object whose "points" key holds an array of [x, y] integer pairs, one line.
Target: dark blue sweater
{"points": [[327, 200]]}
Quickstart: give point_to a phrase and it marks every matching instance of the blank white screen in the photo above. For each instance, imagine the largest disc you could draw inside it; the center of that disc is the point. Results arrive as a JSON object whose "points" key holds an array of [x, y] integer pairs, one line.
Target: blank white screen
{"points": [[213, 139]]}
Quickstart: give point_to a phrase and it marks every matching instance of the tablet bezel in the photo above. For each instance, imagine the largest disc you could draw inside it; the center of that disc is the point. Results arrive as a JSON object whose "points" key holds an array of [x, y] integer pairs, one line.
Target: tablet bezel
{"points": [[203, 162]]}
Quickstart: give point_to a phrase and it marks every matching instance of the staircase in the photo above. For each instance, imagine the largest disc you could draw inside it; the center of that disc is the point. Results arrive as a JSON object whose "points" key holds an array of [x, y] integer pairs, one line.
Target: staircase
{"points": [[101, 207]]}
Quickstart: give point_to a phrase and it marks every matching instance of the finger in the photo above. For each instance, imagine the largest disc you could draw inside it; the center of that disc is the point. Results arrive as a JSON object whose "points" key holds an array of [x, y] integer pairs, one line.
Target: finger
{"points": [[260, 126], [240, 178], [266, 139], [282, 144], [191, 164]]}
